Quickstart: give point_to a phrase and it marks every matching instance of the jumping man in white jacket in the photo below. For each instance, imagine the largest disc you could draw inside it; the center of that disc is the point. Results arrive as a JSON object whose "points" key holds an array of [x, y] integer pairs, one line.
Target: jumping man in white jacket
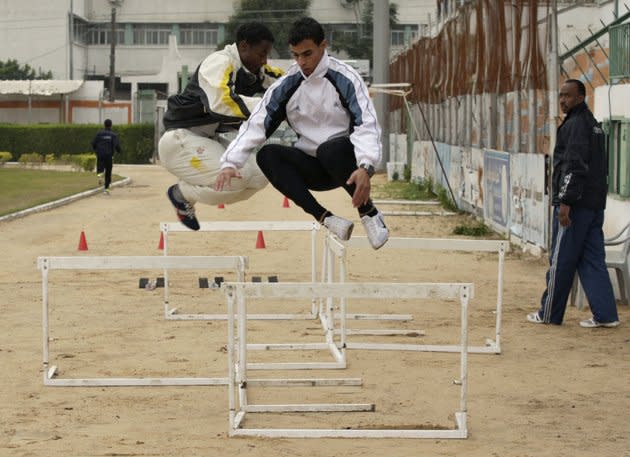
{"points": [[327, 104], [220, 95]]}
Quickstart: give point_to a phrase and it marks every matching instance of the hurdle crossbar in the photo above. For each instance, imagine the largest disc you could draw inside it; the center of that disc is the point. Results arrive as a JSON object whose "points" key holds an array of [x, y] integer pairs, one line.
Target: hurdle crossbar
{"points": [[492, 346], [241, 226], [238, 294], [407, 202]]}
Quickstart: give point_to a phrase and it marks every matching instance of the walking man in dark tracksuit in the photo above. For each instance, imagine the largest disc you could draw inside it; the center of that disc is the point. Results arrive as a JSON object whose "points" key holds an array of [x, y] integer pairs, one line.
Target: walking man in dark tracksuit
{"points": [[579, 198], [105, 143]]}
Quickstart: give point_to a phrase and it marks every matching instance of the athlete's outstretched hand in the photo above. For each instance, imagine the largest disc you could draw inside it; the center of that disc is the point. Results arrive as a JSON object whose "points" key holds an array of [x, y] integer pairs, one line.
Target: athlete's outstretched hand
{"points": [[225, 177], [362, 191]]}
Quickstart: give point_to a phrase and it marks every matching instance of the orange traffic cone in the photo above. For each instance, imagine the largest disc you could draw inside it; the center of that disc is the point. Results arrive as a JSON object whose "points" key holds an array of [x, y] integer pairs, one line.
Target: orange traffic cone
{"points": [[82, 242], [285, 203], [260, 241], [161, 243], [221, 206]]}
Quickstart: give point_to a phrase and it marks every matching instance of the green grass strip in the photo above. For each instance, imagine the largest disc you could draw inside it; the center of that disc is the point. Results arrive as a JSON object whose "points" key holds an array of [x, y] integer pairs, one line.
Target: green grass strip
{"points": [[22, 188]]}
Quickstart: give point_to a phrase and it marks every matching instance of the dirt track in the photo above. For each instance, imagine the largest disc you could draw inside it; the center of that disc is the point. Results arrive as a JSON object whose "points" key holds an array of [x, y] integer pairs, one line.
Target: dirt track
{"points": [[554, 391]]}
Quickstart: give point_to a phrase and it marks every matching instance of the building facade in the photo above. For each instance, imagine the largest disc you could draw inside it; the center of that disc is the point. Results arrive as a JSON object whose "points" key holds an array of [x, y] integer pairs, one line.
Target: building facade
{"points": [[154, 38]]}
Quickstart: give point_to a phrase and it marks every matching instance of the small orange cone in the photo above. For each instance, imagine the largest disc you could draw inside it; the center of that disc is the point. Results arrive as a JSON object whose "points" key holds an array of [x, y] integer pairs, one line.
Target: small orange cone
{"points": [[285, 203], [161, 243], [260, 241], [221, 206], [82, 242]]}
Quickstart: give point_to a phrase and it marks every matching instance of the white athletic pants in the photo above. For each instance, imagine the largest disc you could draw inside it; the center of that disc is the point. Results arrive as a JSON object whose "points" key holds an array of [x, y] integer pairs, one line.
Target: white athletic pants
{"points": [[194, 159]]}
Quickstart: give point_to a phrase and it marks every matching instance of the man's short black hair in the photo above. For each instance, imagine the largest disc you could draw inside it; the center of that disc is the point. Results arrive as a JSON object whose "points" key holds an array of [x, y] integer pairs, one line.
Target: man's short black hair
{"points": [[108, 123], [580, 86], [306, 28], [254, 33]]}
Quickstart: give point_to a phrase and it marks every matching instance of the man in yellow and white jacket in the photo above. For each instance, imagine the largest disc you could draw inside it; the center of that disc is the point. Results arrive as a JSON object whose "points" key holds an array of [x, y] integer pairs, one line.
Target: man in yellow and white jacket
{"points": [[220, 95]]}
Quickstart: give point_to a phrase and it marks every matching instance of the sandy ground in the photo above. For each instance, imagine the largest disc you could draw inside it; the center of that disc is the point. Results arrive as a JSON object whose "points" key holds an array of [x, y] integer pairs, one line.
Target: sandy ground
{"points": [[554, 391]]}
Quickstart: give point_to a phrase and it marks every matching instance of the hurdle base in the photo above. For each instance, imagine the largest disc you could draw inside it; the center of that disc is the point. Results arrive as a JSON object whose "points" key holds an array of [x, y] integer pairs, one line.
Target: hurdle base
{"points": [[460, 432], [250, 317], [422, 348]]}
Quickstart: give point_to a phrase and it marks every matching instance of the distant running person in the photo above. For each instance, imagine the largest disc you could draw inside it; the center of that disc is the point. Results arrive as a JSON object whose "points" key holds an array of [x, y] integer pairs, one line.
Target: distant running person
{"points": [[105, 144], [220, 95], [327, 103]]}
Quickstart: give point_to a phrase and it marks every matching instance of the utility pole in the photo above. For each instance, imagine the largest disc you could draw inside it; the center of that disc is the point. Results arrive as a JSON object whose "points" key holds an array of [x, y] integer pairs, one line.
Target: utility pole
{"points": [[71, 43], [112, 59], [554, 68], [380, 56]]}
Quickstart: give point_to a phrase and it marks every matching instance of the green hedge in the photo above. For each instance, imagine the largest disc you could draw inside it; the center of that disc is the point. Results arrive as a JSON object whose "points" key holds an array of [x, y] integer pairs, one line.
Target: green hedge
{"points": [[136, 140]]}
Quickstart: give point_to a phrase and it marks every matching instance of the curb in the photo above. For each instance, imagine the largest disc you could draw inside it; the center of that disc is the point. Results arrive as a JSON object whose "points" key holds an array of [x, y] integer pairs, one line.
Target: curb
{"points": [[61, 202]]}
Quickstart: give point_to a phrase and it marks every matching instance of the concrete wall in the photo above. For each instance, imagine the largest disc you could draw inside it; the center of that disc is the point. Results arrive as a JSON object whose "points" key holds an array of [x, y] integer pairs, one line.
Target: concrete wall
{"points": [[36, 33], [505, 189]]}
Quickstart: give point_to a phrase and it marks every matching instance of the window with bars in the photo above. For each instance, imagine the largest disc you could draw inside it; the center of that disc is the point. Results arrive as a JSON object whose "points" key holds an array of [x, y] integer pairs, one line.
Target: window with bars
{"points": [[151, 34], [198, 35], [102, 34], [398, 37]]}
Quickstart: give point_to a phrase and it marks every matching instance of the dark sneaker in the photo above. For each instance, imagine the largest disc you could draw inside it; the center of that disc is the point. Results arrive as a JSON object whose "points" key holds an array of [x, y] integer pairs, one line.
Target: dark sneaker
{"points": [[184, 210]]}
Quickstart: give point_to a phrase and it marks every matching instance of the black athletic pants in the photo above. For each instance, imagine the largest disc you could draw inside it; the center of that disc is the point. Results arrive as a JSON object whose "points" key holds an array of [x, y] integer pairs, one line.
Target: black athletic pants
{"points": [[295, 173], [104, 163]]}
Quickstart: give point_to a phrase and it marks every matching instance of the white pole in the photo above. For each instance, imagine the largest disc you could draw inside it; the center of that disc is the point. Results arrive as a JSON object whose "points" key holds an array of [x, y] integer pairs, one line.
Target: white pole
{"points": [[166, 289], [342, 279], [499, 298], [45, 317], [230, 353], [314, 267], [465, 294], [242, 353], [329, 303]]}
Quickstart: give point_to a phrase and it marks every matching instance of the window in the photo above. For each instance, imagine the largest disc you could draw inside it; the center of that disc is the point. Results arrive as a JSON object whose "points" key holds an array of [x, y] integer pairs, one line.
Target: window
{"points": [[619, 157], [101, 34], [80, 34], [398, 37], [151, 34], [198, 35], [401, 36]]}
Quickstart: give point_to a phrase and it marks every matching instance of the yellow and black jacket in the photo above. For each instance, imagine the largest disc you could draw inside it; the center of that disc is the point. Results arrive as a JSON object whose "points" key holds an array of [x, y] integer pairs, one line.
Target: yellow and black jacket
{"points": [[221, 90]]}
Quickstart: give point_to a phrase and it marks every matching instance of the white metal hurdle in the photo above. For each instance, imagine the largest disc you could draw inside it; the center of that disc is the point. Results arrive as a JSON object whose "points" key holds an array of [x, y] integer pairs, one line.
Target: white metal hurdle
{"points": [[45, 264], [237, 296], [241, 226], [338, 355], [337, 249]]}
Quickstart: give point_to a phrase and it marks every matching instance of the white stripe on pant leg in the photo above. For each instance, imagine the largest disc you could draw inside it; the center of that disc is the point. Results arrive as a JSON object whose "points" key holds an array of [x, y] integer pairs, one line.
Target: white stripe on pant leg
{"points": [[552, 277]]}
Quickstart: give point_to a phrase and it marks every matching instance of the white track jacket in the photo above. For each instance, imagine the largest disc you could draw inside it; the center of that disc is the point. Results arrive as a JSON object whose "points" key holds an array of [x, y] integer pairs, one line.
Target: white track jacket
{"points": [[332, 102]]}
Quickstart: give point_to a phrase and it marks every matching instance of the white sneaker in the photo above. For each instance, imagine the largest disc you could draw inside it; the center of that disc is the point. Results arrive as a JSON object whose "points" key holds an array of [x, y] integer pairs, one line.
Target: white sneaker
{"points": [[592, 323], [340, 227], [377, 232], [100, 179]]}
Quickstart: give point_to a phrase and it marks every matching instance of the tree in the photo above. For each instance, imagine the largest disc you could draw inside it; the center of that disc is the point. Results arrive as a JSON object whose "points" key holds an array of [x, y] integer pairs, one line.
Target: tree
{"points": [[360, 47], [275, 14], [11, 70]]}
